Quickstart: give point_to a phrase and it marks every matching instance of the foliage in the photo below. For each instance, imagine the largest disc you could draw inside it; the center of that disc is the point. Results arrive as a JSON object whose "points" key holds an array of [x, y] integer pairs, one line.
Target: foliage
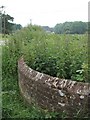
{"points": [[8, 26], [79, 27], [57, 55], [76, 27], [64, 56], [60, 56]]}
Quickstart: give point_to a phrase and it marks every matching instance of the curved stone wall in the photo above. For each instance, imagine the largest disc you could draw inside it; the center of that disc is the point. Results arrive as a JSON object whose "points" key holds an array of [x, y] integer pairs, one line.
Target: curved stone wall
{"points": [[52, 93]]}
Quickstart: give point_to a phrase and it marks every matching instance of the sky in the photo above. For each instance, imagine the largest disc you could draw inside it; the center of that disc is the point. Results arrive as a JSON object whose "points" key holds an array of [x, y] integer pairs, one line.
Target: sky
{"points": [[46, 12]]}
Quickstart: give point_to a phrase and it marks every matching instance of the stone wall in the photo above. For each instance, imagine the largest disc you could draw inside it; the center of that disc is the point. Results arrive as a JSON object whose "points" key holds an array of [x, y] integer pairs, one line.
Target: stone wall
{"points": [[52, 93]]}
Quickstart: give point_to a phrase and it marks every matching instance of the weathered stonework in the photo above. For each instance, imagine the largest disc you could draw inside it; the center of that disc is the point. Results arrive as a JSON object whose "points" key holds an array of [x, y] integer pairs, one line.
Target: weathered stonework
{"points": [[52, 93]]}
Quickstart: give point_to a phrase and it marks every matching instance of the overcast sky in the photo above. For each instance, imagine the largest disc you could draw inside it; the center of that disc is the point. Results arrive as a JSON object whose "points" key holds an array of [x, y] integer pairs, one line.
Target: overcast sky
{"points": [[46, 12]]}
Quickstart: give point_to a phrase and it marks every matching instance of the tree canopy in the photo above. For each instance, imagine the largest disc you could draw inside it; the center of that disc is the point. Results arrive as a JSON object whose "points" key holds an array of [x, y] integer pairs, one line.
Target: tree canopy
{"points": [[76, 27], [7, 24]]}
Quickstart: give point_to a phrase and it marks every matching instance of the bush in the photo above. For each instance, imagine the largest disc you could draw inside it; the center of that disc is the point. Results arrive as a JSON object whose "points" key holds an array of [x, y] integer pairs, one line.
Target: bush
{"points": [[57, 55]]}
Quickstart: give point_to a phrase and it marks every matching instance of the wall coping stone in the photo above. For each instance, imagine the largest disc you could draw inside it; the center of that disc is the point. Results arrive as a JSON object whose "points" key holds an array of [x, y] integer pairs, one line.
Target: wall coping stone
{"points": [[53, 93]]}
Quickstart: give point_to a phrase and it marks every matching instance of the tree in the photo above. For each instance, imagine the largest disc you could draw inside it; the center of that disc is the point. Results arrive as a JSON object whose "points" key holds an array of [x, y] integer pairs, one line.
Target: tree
{"points": [[79, 27], [67, 27], [58, 28], [7, 25], [16, 27], [76, 27]]}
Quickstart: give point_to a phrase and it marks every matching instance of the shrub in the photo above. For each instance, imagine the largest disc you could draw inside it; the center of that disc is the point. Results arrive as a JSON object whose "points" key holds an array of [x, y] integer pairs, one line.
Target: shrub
{"points": [[56, 55]]}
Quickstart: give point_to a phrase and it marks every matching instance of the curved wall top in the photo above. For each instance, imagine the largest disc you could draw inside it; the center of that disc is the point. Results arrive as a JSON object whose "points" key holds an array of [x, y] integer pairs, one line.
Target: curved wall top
{"points": [[52, 93]]}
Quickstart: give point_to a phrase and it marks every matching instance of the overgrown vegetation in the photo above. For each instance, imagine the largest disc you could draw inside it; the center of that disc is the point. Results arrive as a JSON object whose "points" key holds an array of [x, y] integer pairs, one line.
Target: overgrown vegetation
{"points": [[64, 56]]}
